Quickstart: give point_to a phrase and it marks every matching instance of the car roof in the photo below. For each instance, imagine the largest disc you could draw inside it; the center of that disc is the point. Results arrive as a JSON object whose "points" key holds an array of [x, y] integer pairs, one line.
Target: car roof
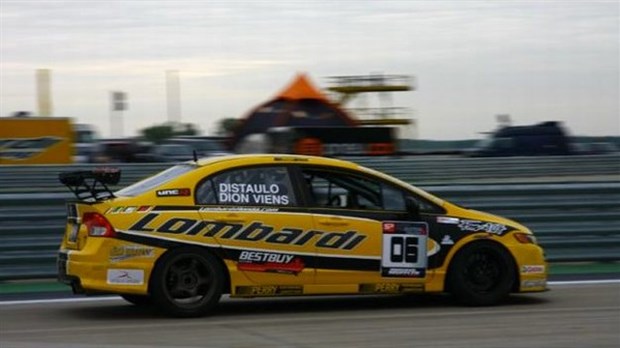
{"points": [[258, 159], [276, 158]]}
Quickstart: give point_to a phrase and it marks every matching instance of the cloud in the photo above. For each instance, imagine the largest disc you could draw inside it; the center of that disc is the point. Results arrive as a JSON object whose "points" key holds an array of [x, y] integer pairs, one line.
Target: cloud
{"points": [[539, 59]]}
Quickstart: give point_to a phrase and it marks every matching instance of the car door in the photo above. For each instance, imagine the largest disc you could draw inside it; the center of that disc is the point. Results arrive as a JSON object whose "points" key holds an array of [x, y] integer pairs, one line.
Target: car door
{"points": [[253, 214], [375, 238]]}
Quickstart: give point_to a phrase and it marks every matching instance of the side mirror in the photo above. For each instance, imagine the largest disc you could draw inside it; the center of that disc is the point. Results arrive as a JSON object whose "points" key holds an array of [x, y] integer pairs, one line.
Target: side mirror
{"points": [[413, 208]]}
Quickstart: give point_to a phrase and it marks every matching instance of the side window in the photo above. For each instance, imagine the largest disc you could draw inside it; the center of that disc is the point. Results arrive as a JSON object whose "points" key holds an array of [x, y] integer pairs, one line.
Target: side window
{"points": [[426, 206], [342, 190], [332, 189], [269, 186], [393, 198]]}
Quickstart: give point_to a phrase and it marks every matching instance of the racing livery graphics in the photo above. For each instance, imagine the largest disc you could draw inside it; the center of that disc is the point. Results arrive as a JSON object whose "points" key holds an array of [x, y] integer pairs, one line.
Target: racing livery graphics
{"points": [[271, 225]]}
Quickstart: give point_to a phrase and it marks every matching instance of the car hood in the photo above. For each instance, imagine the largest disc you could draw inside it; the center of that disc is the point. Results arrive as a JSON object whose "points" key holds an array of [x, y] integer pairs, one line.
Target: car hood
{"points": [[476, 215]]}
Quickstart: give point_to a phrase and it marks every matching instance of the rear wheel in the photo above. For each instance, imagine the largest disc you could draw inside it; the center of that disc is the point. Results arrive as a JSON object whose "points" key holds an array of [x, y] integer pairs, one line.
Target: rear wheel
{"points": [[481, 274], [187, 282]]}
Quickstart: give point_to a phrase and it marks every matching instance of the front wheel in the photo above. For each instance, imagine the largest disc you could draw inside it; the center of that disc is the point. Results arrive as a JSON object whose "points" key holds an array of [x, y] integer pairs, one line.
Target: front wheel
{"points": [[187, 282], [481, 274]]}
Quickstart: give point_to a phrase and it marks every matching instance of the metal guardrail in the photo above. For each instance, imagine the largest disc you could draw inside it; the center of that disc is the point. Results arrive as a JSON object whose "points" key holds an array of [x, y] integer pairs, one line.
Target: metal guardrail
{"points": [[421, 170], [573, 222]]}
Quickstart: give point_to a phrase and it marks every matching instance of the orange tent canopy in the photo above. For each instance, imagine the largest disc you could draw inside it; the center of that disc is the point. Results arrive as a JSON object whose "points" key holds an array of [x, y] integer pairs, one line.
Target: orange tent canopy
{"points": [[301, 88]]}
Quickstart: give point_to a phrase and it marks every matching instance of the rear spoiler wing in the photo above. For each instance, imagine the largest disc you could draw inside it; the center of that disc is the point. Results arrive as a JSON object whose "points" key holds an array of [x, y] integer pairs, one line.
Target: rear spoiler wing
{"points": [[91, 185]]}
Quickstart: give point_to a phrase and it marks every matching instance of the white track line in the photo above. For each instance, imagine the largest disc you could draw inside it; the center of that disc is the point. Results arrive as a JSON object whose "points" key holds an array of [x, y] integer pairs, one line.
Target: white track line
{"points": [[117, 298]]}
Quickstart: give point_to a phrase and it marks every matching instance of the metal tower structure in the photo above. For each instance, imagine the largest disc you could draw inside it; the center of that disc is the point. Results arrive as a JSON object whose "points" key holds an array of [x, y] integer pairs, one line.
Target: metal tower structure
{"points": [[347, 88]]}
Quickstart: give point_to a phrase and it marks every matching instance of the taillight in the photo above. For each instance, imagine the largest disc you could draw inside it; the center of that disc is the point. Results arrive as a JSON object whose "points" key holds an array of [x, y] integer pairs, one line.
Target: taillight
{"points": [[98, 225]]}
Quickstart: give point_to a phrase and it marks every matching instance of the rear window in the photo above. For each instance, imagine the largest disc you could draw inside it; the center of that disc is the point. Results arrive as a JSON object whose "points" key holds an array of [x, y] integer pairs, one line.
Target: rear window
{"points": [[154, 181]]}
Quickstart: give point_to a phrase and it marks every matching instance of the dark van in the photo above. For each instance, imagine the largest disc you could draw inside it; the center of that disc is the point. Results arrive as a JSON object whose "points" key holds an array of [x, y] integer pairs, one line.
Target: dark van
{"points": [[543, 139]]}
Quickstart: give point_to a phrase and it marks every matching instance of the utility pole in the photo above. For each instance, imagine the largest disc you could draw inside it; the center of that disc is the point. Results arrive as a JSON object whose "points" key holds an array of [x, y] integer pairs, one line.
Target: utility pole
{"points": [[118, 102], [44, 94], [173, 94]]}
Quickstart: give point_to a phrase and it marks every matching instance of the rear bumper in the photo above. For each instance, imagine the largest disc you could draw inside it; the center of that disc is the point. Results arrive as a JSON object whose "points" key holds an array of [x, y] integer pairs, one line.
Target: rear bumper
{"points": [[89, 274], [63, 277]]}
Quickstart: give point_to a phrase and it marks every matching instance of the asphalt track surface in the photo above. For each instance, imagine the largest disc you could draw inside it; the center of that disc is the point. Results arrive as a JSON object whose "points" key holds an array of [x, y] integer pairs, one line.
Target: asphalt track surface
{"points": [[570, 315]]}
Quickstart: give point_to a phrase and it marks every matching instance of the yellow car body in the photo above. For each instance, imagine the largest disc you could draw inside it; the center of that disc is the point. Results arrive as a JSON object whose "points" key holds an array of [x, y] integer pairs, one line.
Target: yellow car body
{"points": [[269, 225]]}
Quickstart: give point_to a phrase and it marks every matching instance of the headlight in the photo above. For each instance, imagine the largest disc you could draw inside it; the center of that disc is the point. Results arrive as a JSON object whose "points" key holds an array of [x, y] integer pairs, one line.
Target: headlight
{"points": [[525, 238]]}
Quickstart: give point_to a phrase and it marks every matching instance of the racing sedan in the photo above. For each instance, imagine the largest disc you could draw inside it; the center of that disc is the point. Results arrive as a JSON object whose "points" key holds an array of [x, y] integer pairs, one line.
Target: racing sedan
{"points": [[282, 225]]}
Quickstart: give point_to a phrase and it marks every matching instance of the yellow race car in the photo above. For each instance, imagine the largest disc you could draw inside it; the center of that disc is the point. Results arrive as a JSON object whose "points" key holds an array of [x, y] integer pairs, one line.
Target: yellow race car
{"points": [[278, 225]]}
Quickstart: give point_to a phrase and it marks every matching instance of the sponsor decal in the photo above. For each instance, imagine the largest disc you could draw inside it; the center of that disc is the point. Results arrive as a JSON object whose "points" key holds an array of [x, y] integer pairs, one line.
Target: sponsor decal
{"points": [[251, 194], [404, 249], [259, 261], [268, 290], [389, 227], [250, 209], [432, 247], [446, 240], [121, 253], [402, 272], [180, 192], [448, 220], [115, 210], [391, 288], [481, 226], [253, 232], [144, 209], [128, 210], [528, 284], [530, 269], [125, 276], [24, 148], [75, 228]]}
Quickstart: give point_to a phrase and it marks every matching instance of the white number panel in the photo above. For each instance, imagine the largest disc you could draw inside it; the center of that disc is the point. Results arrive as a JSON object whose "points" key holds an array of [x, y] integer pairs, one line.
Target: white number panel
{"points": [[404, 249]]}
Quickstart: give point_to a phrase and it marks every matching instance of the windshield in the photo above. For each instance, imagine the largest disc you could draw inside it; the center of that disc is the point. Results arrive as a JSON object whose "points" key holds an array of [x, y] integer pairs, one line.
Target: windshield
{"points": [[155, 181], [84, 137], [484, 143]]}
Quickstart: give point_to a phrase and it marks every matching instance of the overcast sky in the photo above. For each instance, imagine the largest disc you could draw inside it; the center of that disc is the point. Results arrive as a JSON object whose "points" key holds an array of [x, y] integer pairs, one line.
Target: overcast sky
{"points": [[472, 60]]}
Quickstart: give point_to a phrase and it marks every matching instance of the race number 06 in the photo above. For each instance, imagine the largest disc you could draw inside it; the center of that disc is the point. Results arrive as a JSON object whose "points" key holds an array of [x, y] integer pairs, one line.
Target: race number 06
{"points": [[404, 249]]}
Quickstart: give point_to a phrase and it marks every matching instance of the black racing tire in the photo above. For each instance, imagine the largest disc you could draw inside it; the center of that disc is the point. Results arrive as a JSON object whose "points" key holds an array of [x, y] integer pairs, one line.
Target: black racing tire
{"points": [[481, 274], [138, 300], [187, 282]]}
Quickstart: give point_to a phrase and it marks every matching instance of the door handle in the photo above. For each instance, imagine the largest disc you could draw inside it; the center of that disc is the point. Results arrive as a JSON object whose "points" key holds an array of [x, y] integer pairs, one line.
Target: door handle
{"points": [[230, 218], [230, 221]]}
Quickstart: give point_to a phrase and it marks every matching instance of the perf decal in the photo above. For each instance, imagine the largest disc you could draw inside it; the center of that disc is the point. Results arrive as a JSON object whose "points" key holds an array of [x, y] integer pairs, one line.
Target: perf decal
{"points": [[251, 194], [404, 249], [258, 261], [253, 232], [481, 226]]}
